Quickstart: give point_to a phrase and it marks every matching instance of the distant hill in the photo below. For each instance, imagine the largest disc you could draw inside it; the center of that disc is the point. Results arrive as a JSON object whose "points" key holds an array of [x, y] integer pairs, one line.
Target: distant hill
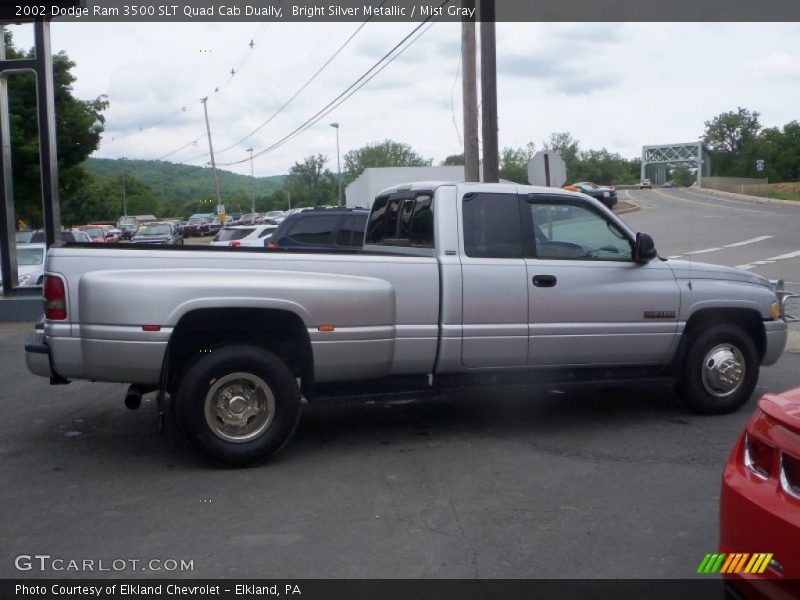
{"points": [[176, 183]]}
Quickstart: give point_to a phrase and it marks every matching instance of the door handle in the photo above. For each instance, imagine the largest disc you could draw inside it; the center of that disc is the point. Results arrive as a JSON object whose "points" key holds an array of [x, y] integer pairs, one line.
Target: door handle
{"points": [[544, 280]]}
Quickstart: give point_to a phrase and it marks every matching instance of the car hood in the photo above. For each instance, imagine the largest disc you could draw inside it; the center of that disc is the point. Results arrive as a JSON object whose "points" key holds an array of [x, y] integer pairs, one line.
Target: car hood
{"points": [[30, 269], [688, 269], [151, 238]]}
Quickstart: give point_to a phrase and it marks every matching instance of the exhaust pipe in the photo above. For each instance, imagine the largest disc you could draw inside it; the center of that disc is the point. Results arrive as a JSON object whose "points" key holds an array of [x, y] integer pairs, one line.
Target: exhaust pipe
{"points": [[133, 397]]}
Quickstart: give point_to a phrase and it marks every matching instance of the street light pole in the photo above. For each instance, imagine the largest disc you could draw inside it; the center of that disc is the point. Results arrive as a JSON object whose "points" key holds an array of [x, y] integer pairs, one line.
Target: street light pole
{"points": [[252, 182], [338, 163]]}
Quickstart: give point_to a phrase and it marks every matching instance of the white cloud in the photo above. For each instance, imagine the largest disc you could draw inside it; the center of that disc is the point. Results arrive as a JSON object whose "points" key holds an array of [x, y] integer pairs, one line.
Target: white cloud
{"points": [[612, 85]]}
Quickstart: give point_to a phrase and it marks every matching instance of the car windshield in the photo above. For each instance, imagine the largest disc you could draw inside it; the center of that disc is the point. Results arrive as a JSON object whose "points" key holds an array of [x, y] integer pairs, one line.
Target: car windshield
{"points": [[93, 232], [154, 229], [30, 256], [196, 221], [23, 237], [227, 235]]}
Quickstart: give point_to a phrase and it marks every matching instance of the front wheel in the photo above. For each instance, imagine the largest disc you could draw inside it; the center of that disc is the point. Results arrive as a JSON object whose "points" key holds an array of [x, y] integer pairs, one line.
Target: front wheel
{"points": [[238, 404], [720, 370]]}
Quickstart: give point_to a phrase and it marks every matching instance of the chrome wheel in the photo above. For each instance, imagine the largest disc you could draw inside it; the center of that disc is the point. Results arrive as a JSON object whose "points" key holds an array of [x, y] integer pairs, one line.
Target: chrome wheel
{"points": [[239, 407], [723, 371]]}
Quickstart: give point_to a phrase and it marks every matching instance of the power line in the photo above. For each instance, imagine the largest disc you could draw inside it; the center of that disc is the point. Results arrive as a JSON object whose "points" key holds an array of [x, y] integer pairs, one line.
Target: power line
{"points": [[244, 58], [303, 87], [297, 93], [365, 78], [193, 142]]}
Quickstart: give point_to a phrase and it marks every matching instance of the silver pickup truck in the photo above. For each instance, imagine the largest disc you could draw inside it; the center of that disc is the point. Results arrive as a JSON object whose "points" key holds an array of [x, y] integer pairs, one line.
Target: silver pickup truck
{"points": [[457, 284]]}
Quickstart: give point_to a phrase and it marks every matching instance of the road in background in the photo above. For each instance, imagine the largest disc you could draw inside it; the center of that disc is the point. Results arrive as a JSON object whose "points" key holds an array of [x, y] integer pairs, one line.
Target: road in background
{"points": [[692, 225]]}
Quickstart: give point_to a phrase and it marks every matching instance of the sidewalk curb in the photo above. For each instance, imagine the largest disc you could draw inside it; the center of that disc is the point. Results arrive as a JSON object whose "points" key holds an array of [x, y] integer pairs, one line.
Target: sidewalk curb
{"points": [[631, 208], [746, 197]]}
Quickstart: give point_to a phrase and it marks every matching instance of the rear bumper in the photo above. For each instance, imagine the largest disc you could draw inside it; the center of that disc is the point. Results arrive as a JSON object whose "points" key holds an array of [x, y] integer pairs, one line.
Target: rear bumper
{"points": [[37, 355]]}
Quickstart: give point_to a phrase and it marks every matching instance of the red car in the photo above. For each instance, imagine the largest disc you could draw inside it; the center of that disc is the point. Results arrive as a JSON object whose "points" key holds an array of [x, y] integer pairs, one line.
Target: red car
{"points": [[100, 234], [197, 226], [760, 502]]}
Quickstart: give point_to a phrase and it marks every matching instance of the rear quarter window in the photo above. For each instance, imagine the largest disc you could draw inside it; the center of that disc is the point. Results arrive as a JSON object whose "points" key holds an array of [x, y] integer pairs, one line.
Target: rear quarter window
{"points": [[314, 229]]}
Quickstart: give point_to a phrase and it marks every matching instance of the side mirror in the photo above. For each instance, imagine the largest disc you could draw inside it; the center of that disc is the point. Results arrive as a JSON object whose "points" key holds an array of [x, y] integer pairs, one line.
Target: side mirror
{"points": [[645, 248]]}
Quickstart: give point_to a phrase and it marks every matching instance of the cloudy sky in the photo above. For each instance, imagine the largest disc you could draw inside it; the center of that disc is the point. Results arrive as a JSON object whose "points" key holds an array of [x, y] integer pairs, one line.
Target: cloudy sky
{"points": [[614, 85]]}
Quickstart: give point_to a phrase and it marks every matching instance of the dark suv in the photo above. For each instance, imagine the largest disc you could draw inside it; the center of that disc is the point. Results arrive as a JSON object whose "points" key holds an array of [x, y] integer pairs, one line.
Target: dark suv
{"points": [[321, 228]]}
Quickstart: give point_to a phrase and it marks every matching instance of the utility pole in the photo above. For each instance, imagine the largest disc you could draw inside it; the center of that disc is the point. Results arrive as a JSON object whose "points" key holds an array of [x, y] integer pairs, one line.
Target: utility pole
{"points": [[252, 182], [211, 150], [338, 163], [491, 169], [124, 198], [469, 94]]}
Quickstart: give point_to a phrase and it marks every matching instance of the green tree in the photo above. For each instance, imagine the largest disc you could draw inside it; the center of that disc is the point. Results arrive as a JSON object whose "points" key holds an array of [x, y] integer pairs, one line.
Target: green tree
{"points": [[79, 124], [780, 151], [568, 149], [310, 183], [453, 160], [603, 167], [731, 137], [514, 163], [382, 154]]}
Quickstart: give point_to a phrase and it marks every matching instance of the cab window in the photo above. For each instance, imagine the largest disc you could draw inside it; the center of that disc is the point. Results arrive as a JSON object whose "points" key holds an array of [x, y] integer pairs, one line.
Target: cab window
{"points": [[402, 220], [562, 230], [492, 226]]}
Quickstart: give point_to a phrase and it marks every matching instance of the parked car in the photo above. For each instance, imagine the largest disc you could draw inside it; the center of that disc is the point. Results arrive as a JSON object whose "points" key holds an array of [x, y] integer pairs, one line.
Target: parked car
{"points": [[248, 219], [197, 227], [30, 264], [275, 216], [645, 183], [129, 224], [23, 237], [321, 228], [606, 195], [164, 234], [244, 235], [71, 236], [668, 184], [760, 500], [100, 234]]}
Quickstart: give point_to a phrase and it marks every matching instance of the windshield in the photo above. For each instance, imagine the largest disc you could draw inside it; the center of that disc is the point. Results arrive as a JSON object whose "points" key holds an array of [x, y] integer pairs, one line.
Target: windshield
{"points": [[226, 235], [27, 257], [24, 236], [196, 221], [154, 229], [93, 232]]}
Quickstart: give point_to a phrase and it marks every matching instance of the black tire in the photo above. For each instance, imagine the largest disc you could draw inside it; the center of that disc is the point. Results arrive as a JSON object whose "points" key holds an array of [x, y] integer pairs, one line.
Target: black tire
{"points": [[718, 346], [242, 366]]}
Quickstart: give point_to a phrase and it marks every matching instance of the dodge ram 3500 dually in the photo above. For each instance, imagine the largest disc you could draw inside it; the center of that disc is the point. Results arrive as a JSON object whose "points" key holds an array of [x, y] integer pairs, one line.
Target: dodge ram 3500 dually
{"points": [[457, 284]]}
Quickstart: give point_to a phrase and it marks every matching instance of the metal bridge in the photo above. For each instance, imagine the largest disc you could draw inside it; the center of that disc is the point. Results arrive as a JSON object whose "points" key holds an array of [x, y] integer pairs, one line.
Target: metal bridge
{"points": [[658, 161]]}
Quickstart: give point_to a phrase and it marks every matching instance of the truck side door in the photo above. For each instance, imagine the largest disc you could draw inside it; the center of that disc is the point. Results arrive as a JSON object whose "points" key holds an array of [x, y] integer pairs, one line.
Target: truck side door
{"points": [[590, 303], [494, 281]]}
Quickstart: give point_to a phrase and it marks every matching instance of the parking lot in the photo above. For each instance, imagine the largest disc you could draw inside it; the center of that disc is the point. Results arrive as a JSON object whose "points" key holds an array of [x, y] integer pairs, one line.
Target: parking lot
{"points": [[559, 482]]}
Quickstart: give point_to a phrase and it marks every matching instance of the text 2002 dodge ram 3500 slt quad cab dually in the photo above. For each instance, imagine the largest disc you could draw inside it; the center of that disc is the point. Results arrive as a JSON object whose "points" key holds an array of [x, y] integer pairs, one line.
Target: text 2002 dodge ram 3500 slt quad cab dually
{"points": [[458, 284]]}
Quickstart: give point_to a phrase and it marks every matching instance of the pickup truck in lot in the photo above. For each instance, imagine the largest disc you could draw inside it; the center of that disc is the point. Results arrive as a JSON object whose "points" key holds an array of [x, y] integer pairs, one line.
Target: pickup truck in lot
{"points": [[457, 284]]}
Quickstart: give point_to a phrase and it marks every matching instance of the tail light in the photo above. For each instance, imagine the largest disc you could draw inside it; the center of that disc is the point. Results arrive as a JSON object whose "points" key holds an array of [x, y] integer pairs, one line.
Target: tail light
{"points": [[758, 456], [790, 475], [235, 243], [55, 298], [270, 245]]}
